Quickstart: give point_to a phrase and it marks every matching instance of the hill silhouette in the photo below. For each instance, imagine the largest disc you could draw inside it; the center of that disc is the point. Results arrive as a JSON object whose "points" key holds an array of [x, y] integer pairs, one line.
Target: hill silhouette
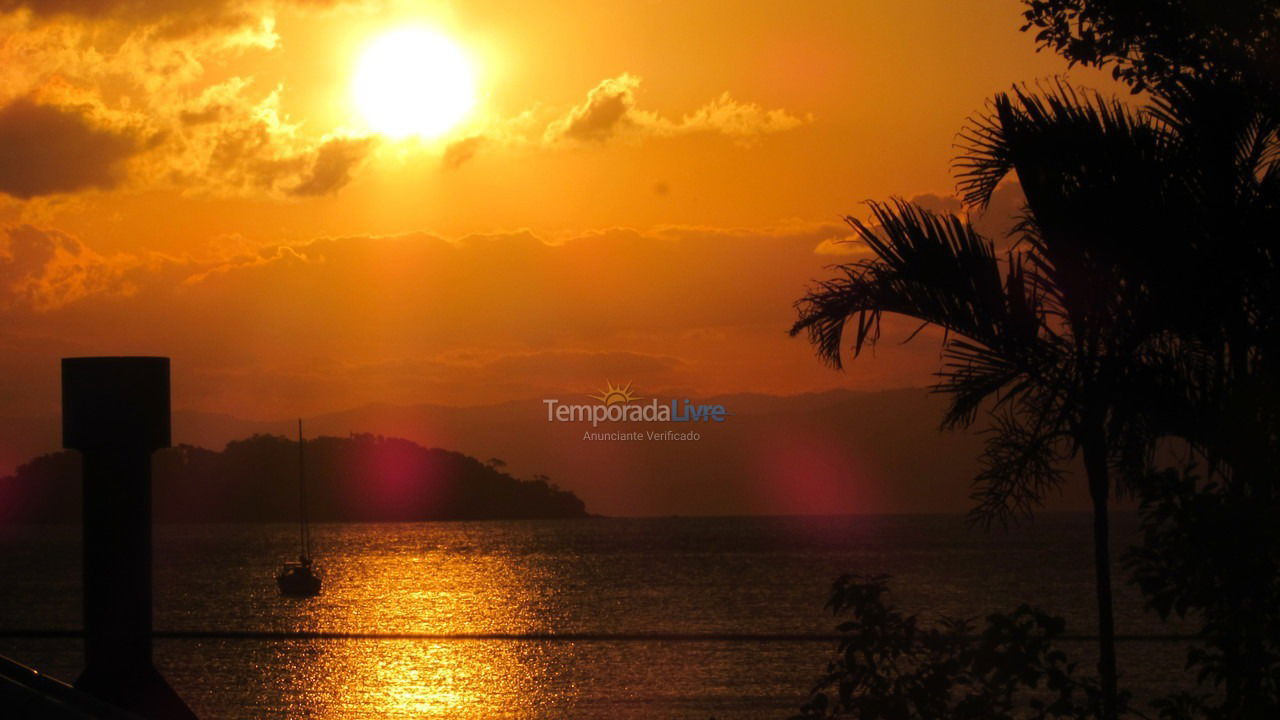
{"points": [[361, 478], [842, 451]]}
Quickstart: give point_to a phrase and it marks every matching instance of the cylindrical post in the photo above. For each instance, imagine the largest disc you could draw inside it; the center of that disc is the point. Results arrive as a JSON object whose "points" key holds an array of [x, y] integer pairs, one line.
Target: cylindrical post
{"points": [[115, 411]]}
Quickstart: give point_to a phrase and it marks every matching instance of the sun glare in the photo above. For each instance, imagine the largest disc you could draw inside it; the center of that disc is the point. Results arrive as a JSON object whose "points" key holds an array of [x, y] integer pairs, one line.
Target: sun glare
{"points": [[413, 82]]}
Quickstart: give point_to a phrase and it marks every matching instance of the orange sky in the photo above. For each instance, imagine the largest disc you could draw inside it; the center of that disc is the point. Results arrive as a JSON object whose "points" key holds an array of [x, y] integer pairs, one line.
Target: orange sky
{"points": [[641, 192]]}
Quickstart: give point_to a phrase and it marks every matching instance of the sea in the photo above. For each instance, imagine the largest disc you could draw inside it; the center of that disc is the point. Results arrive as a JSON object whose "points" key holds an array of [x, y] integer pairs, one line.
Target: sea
{"points": [[590, 618]]}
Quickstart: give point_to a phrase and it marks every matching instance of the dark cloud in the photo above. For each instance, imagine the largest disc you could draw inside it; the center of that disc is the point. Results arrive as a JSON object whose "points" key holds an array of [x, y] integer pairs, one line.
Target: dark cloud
{"points": [[943, 204], [459, 152], [1002, 214], [245, 154], [205, 115], [997, 221], [167, 18], [331, 171], [47, 149], [88, 8], [608, 107]]}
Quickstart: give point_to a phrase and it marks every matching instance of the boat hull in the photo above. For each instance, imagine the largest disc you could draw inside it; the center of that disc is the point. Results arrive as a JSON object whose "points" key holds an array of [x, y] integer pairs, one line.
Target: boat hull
{"points": [[298, 582]]}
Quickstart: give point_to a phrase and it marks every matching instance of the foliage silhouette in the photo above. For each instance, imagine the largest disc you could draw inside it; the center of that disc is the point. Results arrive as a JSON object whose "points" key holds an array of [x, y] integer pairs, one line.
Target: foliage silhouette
{"points": [[889, 666], [1159, 44], [1212, 551], [1084, 339], [1048, 336], [1210, 548]]}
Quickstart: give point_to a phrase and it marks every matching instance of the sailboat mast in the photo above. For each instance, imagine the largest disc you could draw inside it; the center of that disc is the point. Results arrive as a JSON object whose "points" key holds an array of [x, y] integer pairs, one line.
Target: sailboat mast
{"points": [[302, 498]]}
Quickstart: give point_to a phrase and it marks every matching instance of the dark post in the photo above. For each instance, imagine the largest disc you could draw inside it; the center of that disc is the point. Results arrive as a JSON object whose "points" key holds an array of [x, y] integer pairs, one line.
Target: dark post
{"points": [[115, 411]]}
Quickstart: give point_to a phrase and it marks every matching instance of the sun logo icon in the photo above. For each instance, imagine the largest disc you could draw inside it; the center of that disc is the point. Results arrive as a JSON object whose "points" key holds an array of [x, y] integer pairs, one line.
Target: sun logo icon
{"points": [[614, 394]]}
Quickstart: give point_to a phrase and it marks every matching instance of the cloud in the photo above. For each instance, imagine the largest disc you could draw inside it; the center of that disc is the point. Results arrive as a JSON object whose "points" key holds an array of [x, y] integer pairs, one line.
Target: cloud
{"points": [[48, 149], [610, 110], [128, 84], [997, 222], [42, 270], [484, 317], [729, 117], [526, 290], [186, 15], [842, 247], [609, 107], [516, 290], [948, 204], [227, 143], [460, 151], [332, 166], [165, 19], [100, 95]]}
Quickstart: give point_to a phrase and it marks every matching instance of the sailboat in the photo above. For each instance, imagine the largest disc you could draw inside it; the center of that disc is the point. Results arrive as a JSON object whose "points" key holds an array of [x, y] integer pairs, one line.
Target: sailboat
{"points": [[299, 579]]}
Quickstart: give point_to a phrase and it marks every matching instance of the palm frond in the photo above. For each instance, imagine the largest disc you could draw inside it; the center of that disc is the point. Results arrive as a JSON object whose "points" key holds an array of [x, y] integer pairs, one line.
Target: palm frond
{"points": [[1046, 137], [1111, 202], [1021, 464], [934, 268]]}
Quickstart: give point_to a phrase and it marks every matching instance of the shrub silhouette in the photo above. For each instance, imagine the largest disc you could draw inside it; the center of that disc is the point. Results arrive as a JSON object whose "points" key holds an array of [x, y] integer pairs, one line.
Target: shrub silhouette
{"points": [[889, 666]]}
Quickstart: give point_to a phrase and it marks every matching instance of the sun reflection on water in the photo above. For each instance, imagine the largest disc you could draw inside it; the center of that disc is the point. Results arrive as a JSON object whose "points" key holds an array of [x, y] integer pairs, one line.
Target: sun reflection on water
{"points": [[426, 590], [598, 577]]}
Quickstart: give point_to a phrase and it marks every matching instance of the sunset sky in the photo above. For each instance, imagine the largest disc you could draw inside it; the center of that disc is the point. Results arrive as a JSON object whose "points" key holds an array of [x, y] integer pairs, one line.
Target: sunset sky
{"points": [[639, 193]]}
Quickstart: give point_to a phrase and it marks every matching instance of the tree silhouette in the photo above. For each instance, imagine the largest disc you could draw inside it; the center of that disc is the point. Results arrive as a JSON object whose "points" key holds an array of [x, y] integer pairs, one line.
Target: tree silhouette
{"points": [[1139, 303], [1054, 337], [1210, 545], [1161, 44]]}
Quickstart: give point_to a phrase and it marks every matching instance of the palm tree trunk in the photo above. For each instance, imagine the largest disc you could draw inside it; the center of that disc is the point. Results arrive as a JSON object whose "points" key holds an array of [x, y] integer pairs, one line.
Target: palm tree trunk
{"points": [[1095, 464]]}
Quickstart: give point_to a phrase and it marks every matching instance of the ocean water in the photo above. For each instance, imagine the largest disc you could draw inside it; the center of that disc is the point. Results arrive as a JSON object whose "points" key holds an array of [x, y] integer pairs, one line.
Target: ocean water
{"points": [[604, 580]]}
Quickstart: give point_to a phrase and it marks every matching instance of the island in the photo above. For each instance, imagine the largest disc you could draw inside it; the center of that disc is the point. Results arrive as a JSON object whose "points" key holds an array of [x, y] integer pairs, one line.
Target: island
{"points": [[359, 478]]}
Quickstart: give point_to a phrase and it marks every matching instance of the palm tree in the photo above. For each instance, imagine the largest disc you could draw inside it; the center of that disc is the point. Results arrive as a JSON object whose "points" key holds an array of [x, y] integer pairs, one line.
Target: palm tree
{"points": [[1053, 337]]}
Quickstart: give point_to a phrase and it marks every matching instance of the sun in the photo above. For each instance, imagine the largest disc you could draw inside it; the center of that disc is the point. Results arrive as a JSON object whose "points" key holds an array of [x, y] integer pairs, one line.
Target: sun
{"points": [[413, 81]]}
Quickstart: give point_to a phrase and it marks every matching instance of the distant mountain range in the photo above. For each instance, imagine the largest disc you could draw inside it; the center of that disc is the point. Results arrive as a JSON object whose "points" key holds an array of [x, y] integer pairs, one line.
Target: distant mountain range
{"points": [[832, 452]]}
